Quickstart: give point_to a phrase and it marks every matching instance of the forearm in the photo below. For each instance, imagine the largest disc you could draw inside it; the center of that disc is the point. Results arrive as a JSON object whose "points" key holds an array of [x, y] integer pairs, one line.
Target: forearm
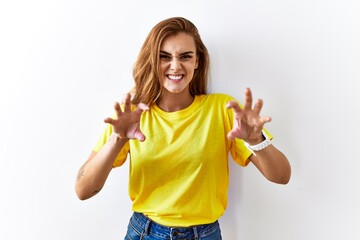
{"points": [[93, 174], [273, 164]]}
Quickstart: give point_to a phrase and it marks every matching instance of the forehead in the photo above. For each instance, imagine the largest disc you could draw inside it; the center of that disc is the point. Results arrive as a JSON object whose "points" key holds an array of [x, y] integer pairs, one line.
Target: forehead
{"points": [[181, 42]]}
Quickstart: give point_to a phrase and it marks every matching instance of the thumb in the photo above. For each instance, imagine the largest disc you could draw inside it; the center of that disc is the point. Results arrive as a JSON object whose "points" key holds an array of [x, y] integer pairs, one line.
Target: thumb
{"points": [[109, 120], [142, 107], [139, 136], [231, 135]]}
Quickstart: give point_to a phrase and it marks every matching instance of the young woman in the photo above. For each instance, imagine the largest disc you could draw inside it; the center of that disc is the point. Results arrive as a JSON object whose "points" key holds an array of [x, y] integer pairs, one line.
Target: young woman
{"points": [[178, 139]]}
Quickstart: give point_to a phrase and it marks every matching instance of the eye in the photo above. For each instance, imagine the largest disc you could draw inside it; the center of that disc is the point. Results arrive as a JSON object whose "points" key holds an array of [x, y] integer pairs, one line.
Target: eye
{"points": [[165, 57], [186, 57]]}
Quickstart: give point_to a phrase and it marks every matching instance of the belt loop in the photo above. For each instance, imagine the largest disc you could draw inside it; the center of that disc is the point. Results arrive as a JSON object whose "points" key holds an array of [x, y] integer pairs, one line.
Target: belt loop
{"points": [[196, 236], [171, 233], [147, 227]]}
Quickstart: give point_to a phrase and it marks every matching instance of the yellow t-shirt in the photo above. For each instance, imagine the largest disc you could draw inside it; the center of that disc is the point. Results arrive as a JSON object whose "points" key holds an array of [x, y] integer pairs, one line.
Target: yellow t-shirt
{"points": [[179, 175]]}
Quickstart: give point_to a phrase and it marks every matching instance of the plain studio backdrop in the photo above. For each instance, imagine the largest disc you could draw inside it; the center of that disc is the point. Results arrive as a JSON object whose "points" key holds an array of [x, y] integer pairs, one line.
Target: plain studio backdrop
{"points": [[64, 63]]}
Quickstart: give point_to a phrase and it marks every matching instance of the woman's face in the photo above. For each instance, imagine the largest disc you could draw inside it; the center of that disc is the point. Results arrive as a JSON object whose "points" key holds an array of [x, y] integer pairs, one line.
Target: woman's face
{"points": [[178, 61]]}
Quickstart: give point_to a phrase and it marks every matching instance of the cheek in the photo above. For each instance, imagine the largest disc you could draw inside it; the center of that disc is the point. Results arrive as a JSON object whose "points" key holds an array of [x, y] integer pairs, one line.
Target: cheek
{"points": [[161, 80], [163, 66], [162, 76], [162, 70], [191, 70]]}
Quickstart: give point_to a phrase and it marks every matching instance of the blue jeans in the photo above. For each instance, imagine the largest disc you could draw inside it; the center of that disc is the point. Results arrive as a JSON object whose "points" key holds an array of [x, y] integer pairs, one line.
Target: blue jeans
{"points": [[142, 228]]}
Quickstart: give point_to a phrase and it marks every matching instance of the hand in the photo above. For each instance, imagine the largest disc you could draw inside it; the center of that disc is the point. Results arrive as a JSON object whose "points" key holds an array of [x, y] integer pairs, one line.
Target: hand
{"points": [[127, 124], [247, 121]]}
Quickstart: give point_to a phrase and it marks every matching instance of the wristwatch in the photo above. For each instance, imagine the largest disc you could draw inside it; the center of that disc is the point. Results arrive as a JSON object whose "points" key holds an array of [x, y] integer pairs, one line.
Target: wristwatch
{"points": [[259, 146]]}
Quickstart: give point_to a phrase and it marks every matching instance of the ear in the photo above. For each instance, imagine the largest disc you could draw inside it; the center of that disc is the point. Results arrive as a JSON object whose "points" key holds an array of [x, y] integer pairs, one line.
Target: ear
{"points": [[196, 63]]}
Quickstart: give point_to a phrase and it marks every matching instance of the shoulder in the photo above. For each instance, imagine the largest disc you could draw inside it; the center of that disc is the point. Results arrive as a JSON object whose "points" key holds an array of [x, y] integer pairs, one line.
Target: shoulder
{"points": [[217, 98], [213, 106], [215, 102]]}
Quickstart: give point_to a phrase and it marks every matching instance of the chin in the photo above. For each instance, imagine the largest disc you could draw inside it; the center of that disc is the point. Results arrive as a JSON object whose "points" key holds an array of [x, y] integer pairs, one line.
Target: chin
{"points": [[175, 91]]}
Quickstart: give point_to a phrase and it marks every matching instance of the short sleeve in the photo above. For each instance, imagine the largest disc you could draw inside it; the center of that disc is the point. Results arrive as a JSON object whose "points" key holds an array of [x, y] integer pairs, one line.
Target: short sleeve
{"points": [[240, 153], [104, 138]]}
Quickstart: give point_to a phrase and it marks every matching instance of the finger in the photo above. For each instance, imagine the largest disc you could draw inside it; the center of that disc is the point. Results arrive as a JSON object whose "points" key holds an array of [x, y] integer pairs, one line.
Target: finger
{"points": [[258, 106], [248, 99], [127, 105], [231, 135], [235, 106], [140, 136], [109, 120], [141, 108], [117, 109], [264, 120]]}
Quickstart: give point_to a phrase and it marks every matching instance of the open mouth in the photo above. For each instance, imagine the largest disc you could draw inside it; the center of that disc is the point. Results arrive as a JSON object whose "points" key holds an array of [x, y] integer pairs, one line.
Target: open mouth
{"points": [[175, 78]]}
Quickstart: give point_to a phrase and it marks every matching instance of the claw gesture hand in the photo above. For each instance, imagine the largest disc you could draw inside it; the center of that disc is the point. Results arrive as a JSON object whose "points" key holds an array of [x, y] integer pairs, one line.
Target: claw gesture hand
{"points": [[127, 124], [247, 121]]}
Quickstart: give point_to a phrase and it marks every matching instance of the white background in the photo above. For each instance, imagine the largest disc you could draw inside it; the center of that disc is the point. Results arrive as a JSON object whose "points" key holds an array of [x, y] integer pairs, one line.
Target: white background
{"points": [[64, 63]]}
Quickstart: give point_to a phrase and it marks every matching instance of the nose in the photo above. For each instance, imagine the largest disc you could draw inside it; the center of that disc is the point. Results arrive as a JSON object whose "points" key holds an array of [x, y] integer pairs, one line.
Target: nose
{"points": [[175, 65]]}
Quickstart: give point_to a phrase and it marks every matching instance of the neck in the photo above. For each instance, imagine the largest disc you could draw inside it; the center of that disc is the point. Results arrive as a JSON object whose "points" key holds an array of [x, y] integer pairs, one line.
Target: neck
{"points": [[171, 102]]}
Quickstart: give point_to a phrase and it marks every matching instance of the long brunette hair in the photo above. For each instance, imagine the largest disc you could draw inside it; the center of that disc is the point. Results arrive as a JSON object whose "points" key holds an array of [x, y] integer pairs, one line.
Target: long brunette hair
{"points": [[146, 68]]}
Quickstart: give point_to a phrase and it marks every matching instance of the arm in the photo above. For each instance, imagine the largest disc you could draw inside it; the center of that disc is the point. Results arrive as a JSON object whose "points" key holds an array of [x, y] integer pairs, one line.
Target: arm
{"points": [[93, 174], [272, 163], [248, 125]]}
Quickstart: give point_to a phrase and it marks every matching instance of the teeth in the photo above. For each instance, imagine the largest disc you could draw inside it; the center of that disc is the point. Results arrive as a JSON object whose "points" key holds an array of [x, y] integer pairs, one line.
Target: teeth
{"points": [[175, 77]]}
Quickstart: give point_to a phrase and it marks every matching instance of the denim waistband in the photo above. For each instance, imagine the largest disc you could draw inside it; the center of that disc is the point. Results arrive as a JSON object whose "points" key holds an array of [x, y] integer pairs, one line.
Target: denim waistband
{"points": [[146, 226]]}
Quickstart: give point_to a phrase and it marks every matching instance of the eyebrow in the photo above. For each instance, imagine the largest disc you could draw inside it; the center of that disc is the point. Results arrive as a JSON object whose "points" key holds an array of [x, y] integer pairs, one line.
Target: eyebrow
{"points": [[184, 53]]}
